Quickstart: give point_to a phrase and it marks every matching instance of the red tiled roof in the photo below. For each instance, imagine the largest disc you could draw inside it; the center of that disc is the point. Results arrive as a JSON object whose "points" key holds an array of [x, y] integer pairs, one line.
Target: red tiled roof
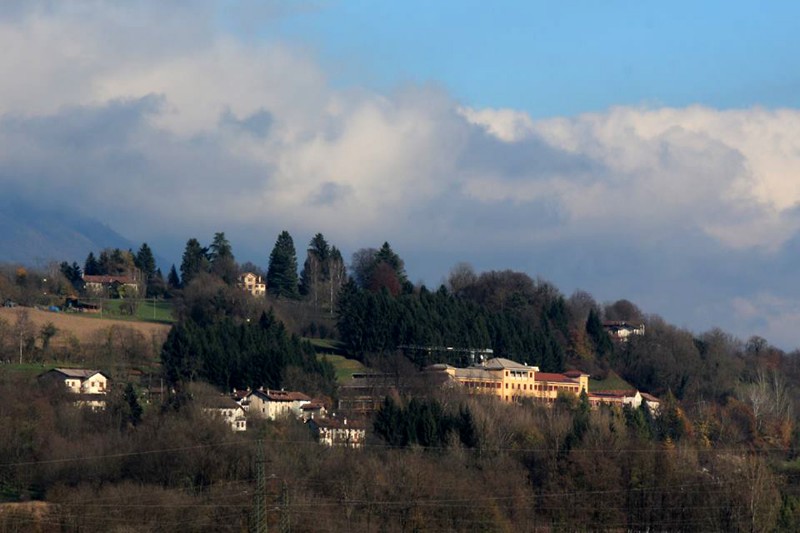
{"points": [[555, 378], [240, 394], [282, 395]]}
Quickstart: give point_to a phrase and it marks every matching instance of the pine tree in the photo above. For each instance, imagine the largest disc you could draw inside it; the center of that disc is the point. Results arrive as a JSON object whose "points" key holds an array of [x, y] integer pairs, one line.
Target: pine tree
{"points": [[134, 409], [600, 339], [145, 262], [221, 257], [194, 261], [282, 271], [173, 280], [91, 266]]}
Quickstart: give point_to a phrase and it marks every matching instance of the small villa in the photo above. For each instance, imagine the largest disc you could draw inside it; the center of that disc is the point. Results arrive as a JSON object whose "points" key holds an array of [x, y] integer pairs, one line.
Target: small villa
{"points": [[252, 283], [91, 386]]}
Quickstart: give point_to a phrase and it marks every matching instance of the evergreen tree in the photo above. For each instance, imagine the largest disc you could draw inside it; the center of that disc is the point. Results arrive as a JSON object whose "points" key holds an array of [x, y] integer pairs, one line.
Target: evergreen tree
{"points": [[194, 261], [387, 255], [73, 274], [221, 257], [91, 267], [282, 271], [594, 328], [173, 280], [146, 262], [315, 269], [134, 409]]}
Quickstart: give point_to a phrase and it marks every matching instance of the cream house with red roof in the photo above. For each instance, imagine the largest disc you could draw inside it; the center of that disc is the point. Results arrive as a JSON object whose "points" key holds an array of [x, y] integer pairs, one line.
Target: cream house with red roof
{"points": [[511, 381], [274, 404]]}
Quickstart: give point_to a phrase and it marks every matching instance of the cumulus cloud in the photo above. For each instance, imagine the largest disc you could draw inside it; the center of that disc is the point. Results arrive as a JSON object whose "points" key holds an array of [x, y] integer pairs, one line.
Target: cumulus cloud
{"points": [[180, 127]]}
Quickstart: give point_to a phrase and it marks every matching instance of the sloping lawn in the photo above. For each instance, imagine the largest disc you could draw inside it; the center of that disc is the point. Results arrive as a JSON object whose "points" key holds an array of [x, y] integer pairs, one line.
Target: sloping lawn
{"points": [[146, 311], [612, 382], [344, 367]]}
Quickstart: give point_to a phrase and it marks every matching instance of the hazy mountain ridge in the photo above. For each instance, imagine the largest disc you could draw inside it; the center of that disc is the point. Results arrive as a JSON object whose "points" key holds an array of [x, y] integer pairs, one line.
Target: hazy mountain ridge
{"points": [[35, 236]]}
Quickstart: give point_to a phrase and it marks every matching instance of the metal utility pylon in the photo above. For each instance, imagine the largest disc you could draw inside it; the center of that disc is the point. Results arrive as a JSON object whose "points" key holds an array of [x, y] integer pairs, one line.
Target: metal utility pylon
{"points": [[259, 519]]}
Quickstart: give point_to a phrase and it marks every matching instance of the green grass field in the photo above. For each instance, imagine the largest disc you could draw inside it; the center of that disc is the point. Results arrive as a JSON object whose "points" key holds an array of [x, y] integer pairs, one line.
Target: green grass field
{"points": [[33, 369], [146, 311], [612, 382], [344, 367]]}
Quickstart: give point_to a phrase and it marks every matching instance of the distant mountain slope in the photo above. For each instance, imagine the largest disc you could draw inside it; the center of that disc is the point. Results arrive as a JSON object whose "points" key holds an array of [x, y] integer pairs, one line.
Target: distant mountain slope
{"points": [[35, 236]]}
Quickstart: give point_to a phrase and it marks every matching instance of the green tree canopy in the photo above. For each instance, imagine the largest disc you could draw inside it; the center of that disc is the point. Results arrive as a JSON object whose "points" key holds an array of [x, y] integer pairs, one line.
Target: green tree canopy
{"points": [[195, 260], [173, 280], [145, 261], [282, 271], [220, 255], [90, 266]]}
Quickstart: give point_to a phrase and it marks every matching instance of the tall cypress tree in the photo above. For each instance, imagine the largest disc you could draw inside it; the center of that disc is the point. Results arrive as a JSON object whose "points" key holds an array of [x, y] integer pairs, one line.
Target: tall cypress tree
{"points": [[194, 261], [173, 280], [282, 272]]}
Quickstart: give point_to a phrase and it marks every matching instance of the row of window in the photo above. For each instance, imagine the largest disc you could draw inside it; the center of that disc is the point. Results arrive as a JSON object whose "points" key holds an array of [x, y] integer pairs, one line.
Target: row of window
{"points": [[521, 386]]}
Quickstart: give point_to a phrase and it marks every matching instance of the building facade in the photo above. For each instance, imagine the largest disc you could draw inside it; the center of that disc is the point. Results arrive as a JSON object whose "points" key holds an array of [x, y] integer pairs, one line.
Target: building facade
{"points": [[252, 283], [274, 404], [510, 381]]}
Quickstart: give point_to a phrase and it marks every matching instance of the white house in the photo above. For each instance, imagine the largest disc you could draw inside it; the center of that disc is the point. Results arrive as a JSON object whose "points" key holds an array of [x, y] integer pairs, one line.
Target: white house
{"points": [[620, 330], [91, 386], [338, 432], [227, 410], [252, 283], [274, 404], [79, 380]]}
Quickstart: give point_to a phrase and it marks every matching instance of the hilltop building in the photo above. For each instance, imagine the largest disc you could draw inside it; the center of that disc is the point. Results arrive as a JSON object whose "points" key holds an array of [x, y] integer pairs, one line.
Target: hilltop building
{"points": [[619, 330], [510, 381], [252, 283]]}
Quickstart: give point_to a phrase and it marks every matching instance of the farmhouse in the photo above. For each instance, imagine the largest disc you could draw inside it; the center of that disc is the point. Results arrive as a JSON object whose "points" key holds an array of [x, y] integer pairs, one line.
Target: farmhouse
{"points": [[274, 404], [120, 286], [90, 386], [227, 410]]}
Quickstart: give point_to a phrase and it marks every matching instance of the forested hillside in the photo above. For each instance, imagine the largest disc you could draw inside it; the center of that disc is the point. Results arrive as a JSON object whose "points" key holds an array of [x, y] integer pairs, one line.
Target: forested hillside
{"points": [[720, 454]]}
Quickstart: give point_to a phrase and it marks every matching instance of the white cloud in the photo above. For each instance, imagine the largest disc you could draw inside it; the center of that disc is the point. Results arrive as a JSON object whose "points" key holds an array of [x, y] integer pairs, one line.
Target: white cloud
{"points": [[173, 94], [774, 317], [506, 124]]}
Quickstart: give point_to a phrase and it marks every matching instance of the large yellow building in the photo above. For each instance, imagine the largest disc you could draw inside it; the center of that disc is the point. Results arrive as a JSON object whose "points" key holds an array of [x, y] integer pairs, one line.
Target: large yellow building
{"points": [[511, 381]]}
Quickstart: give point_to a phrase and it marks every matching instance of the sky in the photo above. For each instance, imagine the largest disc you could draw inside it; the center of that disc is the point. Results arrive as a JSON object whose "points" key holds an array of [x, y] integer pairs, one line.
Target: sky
{"points": [[647, 151]]}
